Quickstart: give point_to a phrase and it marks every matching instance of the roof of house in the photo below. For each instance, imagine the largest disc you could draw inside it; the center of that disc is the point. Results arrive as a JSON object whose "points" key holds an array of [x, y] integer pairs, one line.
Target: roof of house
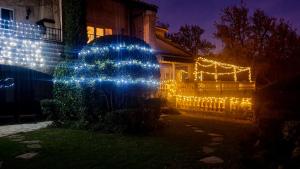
{"points": [[141, 4], [171, 50]]}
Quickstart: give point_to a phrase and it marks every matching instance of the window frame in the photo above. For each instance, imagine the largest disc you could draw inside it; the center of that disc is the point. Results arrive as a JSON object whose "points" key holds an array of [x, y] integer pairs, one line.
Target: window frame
{"points": [[95, 27], [10, 9]]}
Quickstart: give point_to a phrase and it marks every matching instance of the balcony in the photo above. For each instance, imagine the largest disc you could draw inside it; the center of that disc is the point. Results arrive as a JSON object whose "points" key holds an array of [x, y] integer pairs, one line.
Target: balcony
{"points": [[29, 31], [30, 46]]}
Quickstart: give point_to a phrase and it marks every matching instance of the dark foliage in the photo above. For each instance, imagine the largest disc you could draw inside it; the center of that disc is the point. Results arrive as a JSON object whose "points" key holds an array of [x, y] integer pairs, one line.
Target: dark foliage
{"points": [[189, 37], [74, 27], [269, 45], [106, 105], [51, 109], [277, 138]]}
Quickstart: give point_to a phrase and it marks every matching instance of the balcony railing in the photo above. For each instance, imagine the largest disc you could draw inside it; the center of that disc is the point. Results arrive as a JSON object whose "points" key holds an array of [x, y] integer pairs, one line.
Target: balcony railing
{"points": [[29, 31], [52, 34]]}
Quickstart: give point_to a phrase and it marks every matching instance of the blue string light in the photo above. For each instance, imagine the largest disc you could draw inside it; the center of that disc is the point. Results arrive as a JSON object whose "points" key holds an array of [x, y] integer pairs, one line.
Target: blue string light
{"points": [[118, 81], [7, 83], [119, 59], [116, 47]]}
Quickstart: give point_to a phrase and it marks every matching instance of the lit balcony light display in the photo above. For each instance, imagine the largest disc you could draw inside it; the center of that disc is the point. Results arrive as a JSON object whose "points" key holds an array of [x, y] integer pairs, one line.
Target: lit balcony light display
{"points": [[20, 44]]}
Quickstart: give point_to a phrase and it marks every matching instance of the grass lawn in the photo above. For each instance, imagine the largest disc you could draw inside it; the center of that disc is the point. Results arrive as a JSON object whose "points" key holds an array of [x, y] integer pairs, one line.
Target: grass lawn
{"points": [[174, 147]]}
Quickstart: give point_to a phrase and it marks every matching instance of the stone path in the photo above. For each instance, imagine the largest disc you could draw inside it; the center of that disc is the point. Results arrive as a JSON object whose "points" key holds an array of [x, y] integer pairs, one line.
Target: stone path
{"points": [[31, 144], [11, 132], [212, 160], [19, 128], [34, 146], [208, 150], [216, 139], [27, 156]]}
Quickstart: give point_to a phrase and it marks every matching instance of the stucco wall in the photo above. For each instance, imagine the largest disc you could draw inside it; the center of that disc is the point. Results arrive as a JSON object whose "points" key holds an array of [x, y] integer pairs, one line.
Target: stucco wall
{"points": [[108, 14], [40, 9]]}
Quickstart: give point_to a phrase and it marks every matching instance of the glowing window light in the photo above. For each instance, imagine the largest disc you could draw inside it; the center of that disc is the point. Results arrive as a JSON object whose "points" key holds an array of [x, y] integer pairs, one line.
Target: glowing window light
{"points": [[199, 73], [20, 44]]}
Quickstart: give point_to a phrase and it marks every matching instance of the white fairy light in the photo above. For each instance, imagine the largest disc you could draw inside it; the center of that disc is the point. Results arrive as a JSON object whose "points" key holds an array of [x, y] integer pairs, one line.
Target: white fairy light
{"points": [[20, 44]]}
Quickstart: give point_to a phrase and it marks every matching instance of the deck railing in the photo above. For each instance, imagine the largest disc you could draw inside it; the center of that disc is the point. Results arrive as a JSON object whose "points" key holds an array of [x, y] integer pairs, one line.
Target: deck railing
{"points": [[29, 31], [228, 99]]}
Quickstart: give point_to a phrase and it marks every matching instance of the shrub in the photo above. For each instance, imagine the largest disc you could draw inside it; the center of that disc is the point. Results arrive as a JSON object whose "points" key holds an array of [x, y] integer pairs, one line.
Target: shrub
{"points": [[142, 119], [109, 86], [51, 109], [69, 95]]}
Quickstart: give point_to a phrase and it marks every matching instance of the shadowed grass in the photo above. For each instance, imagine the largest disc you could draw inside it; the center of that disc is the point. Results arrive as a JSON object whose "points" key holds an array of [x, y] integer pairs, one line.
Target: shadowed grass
{"points": [[174, 147]]}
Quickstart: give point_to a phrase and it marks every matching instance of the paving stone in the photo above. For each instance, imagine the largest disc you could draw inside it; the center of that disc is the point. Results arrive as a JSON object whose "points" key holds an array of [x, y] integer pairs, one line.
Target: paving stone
{"points": [[199, 131], [195, 128], [212, 160], [217, 139], [32, 142], [17, 139], [34, 146], [296, 152], [208, 150], [215, 135], [27, 156], [214, 144], [164, 115]]}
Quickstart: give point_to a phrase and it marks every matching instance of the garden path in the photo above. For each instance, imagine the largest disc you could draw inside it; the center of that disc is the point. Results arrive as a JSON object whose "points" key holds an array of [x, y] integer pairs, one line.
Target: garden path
{"points": [[19, 128], [217, 143]]}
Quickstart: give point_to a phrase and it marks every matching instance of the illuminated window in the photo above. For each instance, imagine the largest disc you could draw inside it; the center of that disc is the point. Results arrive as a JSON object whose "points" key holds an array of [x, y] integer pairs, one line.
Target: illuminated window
{"points": [[90, 33], [95, 32], [99, 32], [108, 31]]}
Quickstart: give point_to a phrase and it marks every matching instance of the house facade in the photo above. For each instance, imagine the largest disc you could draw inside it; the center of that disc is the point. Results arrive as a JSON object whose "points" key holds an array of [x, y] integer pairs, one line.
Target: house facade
{"points": [[138, 19], [121, 17], [31, 42], [106, 17]]}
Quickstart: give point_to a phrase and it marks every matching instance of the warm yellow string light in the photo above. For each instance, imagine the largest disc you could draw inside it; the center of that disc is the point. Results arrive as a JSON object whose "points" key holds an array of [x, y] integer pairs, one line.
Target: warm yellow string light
{"points": [[214, 103], [216, 74], [206, 103]]}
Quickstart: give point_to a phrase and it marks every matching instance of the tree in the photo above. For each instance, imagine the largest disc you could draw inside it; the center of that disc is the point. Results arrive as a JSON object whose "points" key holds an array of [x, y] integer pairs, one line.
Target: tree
{"points": [[270, 46], [190, 38], [74, 27], [234, 30]]}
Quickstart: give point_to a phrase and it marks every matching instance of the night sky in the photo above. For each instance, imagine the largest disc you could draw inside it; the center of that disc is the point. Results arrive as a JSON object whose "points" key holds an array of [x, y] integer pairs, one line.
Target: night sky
{"points": [[206, 12]]}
